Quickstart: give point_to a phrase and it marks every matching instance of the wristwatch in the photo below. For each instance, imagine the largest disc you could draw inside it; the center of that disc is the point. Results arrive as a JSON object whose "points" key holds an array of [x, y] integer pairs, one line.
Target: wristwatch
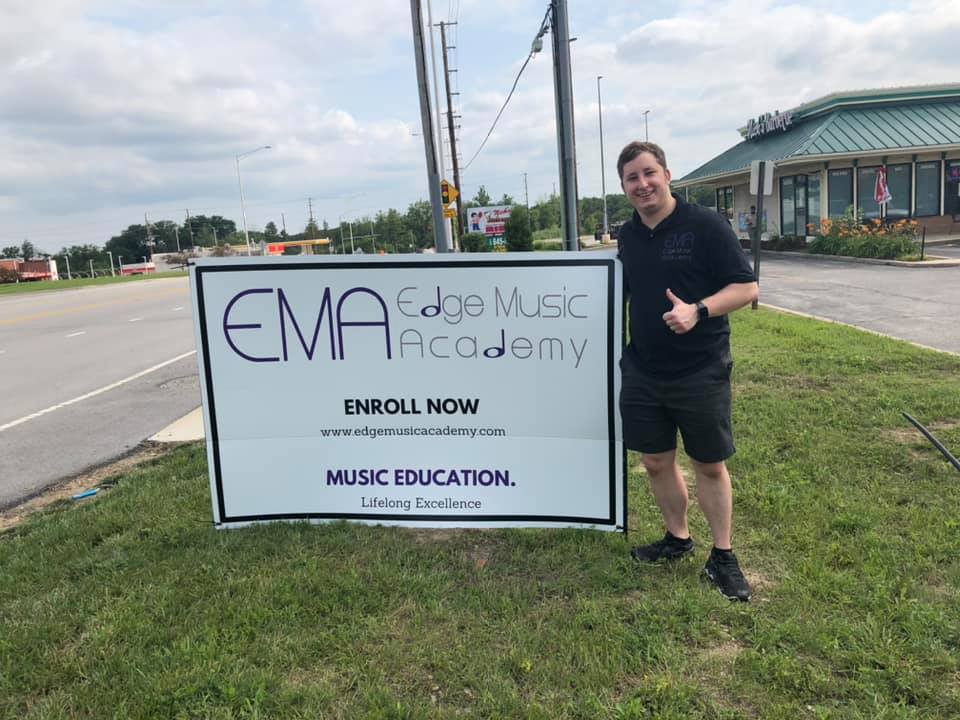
{"points": [[703, 312]]}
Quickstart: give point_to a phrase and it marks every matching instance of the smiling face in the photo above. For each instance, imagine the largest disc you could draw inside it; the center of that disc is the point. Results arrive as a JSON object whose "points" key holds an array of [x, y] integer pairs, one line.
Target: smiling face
{"points": [[646, 184]]}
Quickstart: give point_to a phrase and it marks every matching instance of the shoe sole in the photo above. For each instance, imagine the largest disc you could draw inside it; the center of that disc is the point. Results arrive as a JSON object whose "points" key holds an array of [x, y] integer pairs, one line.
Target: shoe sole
{"points": [[663, 559], [734, 598]]}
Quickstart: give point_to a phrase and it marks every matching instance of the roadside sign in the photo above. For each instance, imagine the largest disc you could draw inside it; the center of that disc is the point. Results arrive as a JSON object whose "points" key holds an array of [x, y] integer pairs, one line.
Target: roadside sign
{"points": [[767, 176], [450, 212]]}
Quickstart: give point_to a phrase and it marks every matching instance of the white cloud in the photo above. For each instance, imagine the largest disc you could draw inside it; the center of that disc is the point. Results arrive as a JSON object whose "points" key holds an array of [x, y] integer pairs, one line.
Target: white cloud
{"points": [[110, 108]]}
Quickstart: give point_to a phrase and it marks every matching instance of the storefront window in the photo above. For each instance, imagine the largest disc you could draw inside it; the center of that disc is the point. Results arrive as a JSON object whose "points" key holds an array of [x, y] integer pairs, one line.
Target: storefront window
{"points": [[813, 201], [928, 188], [839, 191], [788, 222], [866, 187], [898, 183], [725, 202], [951, 188]]}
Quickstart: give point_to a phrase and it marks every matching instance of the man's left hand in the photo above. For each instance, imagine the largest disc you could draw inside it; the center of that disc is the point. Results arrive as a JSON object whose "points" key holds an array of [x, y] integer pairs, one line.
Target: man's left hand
{"points": [[682, 317]]}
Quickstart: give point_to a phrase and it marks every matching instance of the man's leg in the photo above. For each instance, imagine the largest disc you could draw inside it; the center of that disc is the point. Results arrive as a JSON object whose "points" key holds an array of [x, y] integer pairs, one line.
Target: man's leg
{"points": [[715, 496], [669, 490]]}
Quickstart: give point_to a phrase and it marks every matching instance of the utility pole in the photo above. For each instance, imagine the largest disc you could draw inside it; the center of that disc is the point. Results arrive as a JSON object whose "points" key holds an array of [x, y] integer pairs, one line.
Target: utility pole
{"points": [[563, 87], [176, 234], [429, 137], [310, 205], [91, 269], [149, 237], [436, 103], [603, 180], [453, 135], [189, 226], [67, 258], [526, 197]]}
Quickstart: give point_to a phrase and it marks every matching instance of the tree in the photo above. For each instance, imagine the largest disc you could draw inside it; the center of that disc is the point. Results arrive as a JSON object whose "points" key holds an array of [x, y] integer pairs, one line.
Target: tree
{"points": [[27, 250], [482, 198], [517, 233], [11, 251], [270, 231], [131, 244], [311, 230], [203, 229], [506, 200], [80, 257], [419, 221]]}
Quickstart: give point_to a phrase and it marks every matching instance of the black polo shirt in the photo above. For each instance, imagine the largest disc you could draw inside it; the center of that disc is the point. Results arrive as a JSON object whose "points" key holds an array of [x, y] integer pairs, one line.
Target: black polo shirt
{"points": [[695, 253]]}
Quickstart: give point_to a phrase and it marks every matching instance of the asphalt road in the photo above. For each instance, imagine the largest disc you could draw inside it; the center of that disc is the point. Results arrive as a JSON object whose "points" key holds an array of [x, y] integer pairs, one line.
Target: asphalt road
{"points": [[918, 304], [87, 374]]}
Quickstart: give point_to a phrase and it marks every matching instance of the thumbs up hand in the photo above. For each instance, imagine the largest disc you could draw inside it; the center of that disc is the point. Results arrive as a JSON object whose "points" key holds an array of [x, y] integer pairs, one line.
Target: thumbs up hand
{"points": [[682, 317]]}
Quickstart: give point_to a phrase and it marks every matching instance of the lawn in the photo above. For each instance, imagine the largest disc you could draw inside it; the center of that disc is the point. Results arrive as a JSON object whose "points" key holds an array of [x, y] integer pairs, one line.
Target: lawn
{"points": [[41, 285], [130, 605]]}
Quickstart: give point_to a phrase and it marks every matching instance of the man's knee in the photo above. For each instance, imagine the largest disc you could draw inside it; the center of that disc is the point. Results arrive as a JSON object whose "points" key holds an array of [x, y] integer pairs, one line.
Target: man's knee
{"points": [[655, 463], [711, 472]]}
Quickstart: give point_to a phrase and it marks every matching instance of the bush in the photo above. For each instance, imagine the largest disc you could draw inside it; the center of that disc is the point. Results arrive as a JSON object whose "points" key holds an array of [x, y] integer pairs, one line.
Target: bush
{"points": [[547, 245], [474, 242], [8, 276], [517, 233], [853, 237], [787, 242], [550, 233]]}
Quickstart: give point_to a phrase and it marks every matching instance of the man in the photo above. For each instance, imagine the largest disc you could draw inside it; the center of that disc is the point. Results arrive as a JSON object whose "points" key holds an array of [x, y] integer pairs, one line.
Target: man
{"points": [[684, 271]]}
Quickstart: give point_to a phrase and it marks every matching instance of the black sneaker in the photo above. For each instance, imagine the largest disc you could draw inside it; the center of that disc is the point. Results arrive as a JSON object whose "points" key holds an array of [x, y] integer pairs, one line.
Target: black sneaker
{"points": [[723, 570], [670, 548]]}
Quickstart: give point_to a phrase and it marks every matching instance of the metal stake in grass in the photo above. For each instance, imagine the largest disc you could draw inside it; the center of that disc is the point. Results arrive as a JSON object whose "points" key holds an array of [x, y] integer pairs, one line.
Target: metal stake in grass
{"points": [[936, 443]]}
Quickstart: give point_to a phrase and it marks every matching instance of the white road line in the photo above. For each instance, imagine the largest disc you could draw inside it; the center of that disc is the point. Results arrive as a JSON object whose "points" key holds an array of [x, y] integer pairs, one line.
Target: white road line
{"points": [[178, 308], [2, 352], [104, 389], [134, 319], [79, 332]]}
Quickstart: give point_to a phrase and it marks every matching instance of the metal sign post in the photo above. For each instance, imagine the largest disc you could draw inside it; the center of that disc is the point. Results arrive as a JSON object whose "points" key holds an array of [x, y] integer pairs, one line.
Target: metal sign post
{"points": [[761, 183]]}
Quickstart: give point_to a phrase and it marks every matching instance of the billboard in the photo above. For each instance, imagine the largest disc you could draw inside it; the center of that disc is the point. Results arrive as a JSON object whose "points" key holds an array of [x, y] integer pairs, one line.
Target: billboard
{"points": [[491, 220], [432, 391]]}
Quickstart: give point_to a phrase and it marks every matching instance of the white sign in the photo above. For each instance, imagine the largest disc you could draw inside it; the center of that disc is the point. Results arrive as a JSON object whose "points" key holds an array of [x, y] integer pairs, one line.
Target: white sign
{"points": [[768, 123], [490, 220], [767, 176], [413, 390]]}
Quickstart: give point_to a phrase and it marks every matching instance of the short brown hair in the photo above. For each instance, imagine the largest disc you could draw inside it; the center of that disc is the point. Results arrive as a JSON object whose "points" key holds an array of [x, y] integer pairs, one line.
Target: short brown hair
{"points": [[633, 149]]}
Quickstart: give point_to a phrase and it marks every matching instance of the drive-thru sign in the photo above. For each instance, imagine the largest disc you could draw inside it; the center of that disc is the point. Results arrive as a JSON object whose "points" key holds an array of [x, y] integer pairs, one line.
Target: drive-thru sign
{"points": [[413, 390]]}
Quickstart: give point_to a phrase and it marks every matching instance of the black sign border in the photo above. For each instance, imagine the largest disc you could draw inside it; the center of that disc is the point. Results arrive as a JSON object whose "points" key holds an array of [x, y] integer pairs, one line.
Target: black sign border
{"points": [[213, 441]]}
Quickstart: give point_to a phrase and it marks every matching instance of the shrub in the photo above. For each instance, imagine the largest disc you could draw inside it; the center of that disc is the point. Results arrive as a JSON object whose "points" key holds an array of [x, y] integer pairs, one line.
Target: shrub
{"points": [[547, 245], [787, 242], [8, 276], [852, 236], [474, 242]]}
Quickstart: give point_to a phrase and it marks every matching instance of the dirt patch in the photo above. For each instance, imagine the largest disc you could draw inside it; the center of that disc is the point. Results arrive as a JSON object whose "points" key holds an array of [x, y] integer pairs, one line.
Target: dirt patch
{"points": [[93, 478], [909, 435], [724, 652]]}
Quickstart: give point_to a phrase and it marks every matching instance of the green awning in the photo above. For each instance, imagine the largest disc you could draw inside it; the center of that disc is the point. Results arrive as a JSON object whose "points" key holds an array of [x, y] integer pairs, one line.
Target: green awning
{"points": [[854, 130]]}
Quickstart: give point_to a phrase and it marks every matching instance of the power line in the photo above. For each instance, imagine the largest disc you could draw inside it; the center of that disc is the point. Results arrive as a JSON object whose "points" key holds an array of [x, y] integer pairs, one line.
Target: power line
{"points": [[534, 49]]}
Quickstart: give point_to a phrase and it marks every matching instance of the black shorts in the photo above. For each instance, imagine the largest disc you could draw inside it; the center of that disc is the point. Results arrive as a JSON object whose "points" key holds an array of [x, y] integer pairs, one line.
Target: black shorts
{"points": [[699, 405]]}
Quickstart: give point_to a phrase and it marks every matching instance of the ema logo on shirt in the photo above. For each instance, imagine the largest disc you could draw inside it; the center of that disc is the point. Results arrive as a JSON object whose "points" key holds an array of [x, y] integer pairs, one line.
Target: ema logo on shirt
{"points": [[678, 246]]}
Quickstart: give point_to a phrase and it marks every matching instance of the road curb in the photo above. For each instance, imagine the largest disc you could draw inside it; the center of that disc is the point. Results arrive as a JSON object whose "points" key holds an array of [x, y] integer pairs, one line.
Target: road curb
{"points": [[189, 428]]}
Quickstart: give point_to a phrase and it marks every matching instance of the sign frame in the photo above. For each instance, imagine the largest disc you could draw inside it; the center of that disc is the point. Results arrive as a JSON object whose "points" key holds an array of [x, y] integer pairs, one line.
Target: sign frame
{"points": [[615, 517]]}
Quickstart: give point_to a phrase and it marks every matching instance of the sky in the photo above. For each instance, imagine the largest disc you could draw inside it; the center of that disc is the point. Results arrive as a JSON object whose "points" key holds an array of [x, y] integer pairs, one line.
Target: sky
{"points": [[112, 109]]}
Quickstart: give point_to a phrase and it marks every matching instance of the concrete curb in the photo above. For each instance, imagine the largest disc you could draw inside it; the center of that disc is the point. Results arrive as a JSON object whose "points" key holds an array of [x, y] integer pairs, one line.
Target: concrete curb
{"points": [[189, 428], [934, 261]]}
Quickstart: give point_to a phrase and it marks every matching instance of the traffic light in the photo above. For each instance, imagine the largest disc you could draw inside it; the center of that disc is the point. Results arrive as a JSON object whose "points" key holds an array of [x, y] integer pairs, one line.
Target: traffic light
{"points": [[445, 193]]}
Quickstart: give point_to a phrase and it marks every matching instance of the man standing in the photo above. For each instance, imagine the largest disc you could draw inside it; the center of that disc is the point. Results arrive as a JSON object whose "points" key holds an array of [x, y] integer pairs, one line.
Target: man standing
{"points": [[684, 271]]}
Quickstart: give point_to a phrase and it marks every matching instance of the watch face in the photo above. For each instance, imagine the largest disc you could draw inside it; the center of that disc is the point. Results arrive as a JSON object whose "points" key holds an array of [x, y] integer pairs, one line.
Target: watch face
{"points": [[702, 311]]}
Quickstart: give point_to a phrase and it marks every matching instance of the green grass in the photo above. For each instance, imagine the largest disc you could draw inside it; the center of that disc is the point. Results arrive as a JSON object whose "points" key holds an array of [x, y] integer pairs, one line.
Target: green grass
{"points": [[132, 606], [41, 285]]}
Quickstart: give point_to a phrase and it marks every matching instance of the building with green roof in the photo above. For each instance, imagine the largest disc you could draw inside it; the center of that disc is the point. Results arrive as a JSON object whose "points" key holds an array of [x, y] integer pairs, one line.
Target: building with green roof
{"points": [[827, 154]]}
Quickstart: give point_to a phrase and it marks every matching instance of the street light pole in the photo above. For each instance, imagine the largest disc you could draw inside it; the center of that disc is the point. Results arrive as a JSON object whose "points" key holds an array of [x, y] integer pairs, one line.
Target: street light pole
{"points": [[603, 180], [646, 131], [243, 212], [112, 274]]}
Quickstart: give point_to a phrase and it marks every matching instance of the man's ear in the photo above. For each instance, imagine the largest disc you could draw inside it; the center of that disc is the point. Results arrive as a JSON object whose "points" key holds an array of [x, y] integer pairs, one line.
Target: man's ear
{"points": [[668, 175]]}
